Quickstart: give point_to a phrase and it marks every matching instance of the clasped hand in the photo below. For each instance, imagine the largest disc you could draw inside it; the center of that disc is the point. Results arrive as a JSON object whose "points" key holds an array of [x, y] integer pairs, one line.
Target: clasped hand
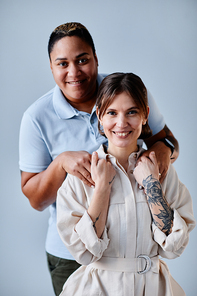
{"points": [[146, 166], [102, 172]]}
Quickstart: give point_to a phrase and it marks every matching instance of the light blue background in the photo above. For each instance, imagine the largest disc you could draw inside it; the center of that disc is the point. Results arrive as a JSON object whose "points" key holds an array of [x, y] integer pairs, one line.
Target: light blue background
{"points": [[155, 39]]}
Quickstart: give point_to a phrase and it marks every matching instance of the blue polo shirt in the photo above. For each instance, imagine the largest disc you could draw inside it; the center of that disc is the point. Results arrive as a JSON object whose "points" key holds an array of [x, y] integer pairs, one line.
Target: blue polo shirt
{"points": [[51, 126]]}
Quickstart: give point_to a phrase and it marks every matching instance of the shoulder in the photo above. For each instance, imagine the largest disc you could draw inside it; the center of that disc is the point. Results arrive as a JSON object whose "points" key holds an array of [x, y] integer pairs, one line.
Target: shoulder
{"points": [[70, 181], [76, 190], [73, 184], [173, 188], [100, 78], [171, 180], [43, 103]]}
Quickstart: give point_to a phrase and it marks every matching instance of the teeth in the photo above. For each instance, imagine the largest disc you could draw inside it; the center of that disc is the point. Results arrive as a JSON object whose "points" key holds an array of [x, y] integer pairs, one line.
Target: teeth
{"points": [[122, 134], [74, 82]]}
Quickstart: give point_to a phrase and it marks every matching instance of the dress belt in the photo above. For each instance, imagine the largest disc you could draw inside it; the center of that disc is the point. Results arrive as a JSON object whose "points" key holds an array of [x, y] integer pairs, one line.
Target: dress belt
{"points": [[140, 265]]}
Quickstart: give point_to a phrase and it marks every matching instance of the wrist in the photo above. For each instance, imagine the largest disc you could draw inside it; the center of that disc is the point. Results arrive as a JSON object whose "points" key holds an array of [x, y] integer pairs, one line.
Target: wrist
{"points": [[102, 191], [168, 144], [60, 164], [150, 184]]}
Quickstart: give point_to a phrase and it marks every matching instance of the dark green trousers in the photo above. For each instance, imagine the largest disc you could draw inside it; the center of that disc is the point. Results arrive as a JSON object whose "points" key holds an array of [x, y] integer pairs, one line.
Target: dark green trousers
{"points": [[60, 269]]}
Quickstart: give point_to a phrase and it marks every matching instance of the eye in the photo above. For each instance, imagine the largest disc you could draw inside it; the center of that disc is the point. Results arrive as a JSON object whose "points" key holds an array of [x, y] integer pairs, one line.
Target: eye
{"points": [[63, 64], [83, 61], [111, 113], [133, 112]]}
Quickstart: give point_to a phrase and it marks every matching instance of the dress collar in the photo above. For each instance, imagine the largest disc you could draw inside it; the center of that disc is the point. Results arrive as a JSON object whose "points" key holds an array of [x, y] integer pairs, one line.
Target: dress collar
{"points": [[132, 157]]}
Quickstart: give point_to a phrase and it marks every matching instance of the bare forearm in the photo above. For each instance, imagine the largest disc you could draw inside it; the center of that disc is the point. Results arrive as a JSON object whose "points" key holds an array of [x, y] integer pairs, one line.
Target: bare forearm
{"points": [[41, 189], [161, 212], [103, 175], [98, 210]]}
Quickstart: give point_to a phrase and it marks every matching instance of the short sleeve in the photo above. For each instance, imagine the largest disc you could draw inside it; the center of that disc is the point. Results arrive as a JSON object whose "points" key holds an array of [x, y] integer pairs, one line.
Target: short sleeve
{"points": [[156, 120], [34, 156]]}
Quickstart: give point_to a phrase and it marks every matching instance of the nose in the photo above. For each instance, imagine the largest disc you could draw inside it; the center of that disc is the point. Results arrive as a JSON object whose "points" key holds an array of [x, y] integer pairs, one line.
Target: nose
{"points": [[73, 70], [121, 121]]}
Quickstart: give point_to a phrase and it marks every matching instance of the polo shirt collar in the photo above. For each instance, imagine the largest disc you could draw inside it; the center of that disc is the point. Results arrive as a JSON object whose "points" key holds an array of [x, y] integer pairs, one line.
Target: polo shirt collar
{"points": [[62, 108]]}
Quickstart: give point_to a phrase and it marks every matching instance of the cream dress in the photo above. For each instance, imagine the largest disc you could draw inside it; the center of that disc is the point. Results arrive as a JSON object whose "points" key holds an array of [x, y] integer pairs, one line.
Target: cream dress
{"points": [[111, 265]]}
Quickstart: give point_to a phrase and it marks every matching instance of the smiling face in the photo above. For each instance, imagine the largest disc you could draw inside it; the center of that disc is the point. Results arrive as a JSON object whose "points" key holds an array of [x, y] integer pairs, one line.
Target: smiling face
{"points": [[75, 68], [122, 123]]}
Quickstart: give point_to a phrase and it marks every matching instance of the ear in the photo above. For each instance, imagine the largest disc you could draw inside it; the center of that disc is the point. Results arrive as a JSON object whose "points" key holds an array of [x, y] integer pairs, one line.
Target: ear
{"points": [[51, 66], [148, 110], [145, 119], [96, 59], [97, 113]]}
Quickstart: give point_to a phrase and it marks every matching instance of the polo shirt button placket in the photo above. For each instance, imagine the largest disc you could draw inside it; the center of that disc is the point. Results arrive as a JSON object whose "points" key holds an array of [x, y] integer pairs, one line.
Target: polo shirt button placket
{"points": [[91, 125], [91, 128]]}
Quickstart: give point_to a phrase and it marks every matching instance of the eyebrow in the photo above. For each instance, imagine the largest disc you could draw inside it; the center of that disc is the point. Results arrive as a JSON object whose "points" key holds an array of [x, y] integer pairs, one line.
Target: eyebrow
{"points": [[77, 57], [134, 107]]}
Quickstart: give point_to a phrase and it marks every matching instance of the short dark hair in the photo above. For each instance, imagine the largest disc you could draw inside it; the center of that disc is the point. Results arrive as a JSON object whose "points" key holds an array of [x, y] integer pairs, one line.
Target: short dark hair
{"points": [[117, 83], [70, 29]]}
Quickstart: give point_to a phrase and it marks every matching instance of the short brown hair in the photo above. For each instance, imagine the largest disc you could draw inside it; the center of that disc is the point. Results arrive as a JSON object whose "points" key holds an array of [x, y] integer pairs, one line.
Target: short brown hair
{"points": [[118, 83], [70, 29]]}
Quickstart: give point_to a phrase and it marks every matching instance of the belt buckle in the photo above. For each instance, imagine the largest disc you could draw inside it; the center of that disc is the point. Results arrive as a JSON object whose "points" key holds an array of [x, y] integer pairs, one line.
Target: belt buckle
{"points": [[147, 266]]}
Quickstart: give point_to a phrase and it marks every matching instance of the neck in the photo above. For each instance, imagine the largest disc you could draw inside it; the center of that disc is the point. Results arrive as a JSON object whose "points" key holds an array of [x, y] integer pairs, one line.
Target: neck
{"points": [[84, 106], [122, 154]]}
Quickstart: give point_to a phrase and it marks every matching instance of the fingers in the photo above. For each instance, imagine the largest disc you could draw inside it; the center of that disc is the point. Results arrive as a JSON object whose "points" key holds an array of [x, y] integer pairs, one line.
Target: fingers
{"points": [[83, 171], [163, 169], [145, 157], [78, 163], [146, 166], [85, 177], [95, 158], [162, 173], [153, 158]]}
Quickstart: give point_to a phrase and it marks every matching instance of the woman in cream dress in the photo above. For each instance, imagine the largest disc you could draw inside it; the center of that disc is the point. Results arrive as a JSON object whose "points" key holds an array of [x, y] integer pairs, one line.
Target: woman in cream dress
{"points": [[119, 229]]}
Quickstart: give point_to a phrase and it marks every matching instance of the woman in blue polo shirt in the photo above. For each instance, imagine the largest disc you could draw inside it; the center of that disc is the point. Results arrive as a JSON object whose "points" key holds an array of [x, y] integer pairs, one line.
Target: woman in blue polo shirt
{"points": [[59, 132]]}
